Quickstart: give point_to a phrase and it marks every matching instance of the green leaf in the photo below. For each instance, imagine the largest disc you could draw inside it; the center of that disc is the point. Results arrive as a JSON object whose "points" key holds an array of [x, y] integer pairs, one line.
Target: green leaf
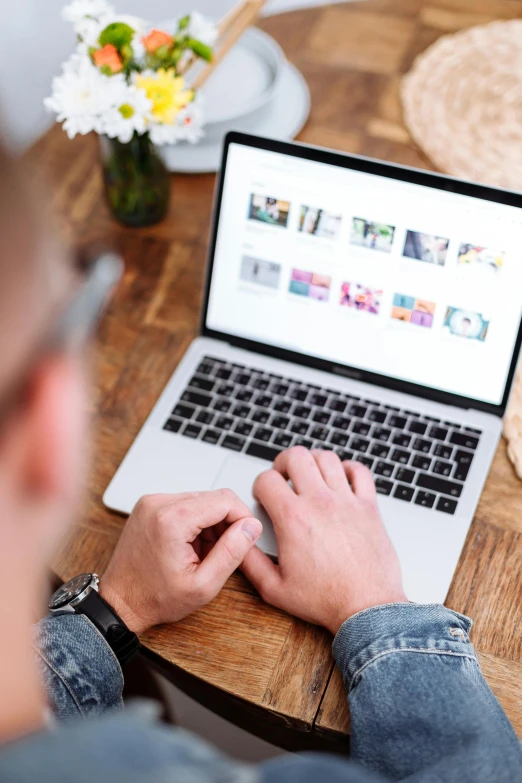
{"points": [[152, 62], [126, 52], [184, 22], [176, 55], [201, 49], [162, 52], [105, 69], [118, 34]]}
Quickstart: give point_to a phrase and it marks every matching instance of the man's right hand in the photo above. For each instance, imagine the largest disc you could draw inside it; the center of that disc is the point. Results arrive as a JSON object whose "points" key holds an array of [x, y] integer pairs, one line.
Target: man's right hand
{"points": [[335, 557], [175, 554]]}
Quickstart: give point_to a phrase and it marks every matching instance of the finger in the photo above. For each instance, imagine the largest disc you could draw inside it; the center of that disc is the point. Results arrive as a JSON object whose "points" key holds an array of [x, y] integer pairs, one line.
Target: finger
{"points": [[298, 465], [331, 469], [227, 554], [264, 575], [361, 479], [207, 509], [151, 504], [274, 493]]}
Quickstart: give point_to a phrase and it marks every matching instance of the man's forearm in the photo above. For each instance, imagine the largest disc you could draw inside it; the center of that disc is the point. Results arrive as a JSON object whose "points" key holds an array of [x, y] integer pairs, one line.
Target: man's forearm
{"points": [[419, 703], [81, 674]]}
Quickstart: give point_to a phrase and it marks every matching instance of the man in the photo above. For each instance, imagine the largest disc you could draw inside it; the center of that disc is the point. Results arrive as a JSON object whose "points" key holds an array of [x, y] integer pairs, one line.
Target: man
{"points": [[420, 707]]}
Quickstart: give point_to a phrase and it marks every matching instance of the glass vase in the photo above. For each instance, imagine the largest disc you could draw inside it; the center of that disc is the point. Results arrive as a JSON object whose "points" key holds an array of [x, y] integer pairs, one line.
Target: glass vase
{"points": [[136, 181]]}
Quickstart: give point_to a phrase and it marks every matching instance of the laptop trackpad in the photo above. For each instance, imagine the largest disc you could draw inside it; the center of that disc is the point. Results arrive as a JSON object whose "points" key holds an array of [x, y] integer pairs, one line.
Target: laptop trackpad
{"points": [[239, 474]]}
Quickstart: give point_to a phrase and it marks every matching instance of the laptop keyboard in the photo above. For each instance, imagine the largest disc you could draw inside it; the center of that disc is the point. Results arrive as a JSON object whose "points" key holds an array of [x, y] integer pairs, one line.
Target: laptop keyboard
{"points": [[413, 457]]}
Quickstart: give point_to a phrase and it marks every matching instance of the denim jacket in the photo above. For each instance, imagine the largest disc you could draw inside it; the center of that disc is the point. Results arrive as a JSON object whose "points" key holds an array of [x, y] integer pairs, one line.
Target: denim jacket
{"points": [[420, 708]]}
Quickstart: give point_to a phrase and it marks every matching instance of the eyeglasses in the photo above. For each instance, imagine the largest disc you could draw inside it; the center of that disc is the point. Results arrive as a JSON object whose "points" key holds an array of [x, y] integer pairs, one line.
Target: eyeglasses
{"points": [[77, 322], [80, 319]]}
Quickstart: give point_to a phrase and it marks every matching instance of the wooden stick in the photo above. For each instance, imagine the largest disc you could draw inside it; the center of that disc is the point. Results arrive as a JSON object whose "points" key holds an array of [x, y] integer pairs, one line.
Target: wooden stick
{"points": [[230, 17], [234, 31], [230, 28]]}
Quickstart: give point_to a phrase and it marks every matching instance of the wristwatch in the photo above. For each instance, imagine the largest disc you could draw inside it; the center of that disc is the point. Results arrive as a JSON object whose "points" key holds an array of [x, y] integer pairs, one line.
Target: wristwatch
{"points": [[80, 595]]}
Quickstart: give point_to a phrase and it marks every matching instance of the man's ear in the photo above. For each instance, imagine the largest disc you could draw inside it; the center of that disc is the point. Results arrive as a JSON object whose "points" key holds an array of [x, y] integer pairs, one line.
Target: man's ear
{"points": [[47, 439]]}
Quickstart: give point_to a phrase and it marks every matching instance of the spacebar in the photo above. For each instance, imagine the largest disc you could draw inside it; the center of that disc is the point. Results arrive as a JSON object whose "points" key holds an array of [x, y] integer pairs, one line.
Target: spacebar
{"points": [[437, 484], [265, 452]]}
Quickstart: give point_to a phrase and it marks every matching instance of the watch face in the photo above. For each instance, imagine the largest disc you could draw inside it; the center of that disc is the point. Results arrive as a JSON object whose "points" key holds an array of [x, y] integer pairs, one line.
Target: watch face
{"points": [[69, 591]]}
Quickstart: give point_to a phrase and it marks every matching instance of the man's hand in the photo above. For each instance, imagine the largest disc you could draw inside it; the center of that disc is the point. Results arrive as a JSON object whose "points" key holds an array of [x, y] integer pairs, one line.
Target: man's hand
{"points": [[335, 557], [175, 554]]}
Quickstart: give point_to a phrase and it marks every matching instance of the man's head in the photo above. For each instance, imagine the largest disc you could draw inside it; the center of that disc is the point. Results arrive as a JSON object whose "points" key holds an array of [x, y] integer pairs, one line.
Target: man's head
{"points": [[41, 397]]}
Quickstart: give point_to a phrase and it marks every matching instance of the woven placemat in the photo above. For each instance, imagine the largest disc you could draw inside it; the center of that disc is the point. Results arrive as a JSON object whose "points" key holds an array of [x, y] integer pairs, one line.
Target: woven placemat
{"points": [[462, 105]]}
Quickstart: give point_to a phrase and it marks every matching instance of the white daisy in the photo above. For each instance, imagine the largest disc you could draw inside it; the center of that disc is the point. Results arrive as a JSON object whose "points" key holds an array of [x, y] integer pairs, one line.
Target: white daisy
{"points": [[81, 95], [191, 120], [75, 61], [130, 114], [88, 31], [79, 9], [164, 134], [138, 48], [202, 29], [188, 126]]}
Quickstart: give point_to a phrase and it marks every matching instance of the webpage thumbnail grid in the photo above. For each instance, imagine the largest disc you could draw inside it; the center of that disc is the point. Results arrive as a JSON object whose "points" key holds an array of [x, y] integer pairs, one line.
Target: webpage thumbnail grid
{"points": [[368, 271], [379, 237]]}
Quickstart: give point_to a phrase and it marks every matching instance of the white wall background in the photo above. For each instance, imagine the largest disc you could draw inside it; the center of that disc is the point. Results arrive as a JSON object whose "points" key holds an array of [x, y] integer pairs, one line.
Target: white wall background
{"points": [[35, 41]]}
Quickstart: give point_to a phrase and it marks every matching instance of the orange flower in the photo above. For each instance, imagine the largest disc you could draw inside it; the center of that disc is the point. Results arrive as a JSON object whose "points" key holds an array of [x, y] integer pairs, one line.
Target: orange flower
{"points": [[155, 39], [108, 56]]}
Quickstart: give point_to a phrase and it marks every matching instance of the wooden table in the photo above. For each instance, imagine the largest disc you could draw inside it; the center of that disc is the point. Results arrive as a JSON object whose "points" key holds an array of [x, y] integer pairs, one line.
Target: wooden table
{"points": [[266, 671]]}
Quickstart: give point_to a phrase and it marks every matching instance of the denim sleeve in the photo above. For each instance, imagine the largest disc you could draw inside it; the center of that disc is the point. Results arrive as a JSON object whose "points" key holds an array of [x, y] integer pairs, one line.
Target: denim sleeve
{"points": [[420, 710], [82, 676], [420, 707], [127, 749]]}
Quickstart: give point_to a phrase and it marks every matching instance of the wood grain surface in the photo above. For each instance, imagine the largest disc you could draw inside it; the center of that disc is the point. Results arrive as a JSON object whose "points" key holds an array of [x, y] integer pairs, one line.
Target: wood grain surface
{"points": [[267, 671]]}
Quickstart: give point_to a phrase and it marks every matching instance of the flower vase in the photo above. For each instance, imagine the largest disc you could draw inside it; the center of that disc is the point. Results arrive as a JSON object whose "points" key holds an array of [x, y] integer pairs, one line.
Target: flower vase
{"points": [[136, 181]]}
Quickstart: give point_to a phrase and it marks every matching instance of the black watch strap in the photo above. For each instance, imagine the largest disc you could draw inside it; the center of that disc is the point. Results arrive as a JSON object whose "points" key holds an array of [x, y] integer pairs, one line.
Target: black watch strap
{"points": [[123, 642]]}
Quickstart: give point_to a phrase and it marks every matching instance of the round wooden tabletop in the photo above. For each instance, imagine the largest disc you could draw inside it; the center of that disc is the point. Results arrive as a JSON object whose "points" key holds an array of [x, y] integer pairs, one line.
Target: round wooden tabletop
{"points": [[262, 669]]}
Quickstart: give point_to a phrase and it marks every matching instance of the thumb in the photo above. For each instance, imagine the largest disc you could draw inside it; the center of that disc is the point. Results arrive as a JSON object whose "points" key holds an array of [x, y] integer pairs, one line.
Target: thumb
{"points": [[228, 552]]}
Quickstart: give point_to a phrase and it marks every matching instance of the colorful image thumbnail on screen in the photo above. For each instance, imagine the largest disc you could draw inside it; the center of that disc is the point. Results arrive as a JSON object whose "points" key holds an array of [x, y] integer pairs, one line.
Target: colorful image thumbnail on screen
{"points": [[361, 298], [477, 257], [426, 247], [465, 323], [415, 311], [310, 284], [268, 209], [255, 270], [319, 223], [376, 236]]}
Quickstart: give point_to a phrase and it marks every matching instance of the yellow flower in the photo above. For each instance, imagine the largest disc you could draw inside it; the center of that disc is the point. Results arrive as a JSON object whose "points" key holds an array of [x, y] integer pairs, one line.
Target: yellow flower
{"points": [[167, 93]]}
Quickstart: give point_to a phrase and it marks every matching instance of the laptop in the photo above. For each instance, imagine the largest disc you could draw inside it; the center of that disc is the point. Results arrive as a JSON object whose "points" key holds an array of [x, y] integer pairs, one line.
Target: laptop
{"points": [[350, 305]]}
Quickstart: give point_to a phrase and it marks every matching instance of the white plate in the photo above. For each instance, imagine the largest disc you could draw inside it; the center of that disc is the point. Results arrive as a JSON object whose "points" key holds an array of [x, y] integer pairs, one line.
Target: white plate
{"points": [[247, 78], [283, 118]]}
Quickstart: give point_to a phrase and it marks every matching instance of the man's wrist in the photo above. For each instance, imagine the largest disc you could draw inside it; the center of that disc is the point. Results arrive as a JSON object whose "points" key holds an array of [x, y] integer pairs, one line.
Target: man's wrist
{"points": [[355, 607], [133, 622]]}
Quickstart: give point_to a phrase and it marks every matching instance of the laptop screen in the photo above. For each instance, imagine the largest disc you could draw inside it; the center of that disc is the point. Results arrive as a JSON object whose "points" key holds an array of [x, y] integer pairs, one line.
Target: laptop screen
{"points": [[401, 280]]}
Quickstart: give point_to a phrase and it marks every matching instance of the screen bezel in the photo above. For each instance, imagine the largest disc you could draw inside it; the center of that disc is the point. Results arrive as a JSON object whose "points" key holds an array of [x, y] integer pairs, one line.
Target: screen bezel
{"points": [[369, 166]]}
